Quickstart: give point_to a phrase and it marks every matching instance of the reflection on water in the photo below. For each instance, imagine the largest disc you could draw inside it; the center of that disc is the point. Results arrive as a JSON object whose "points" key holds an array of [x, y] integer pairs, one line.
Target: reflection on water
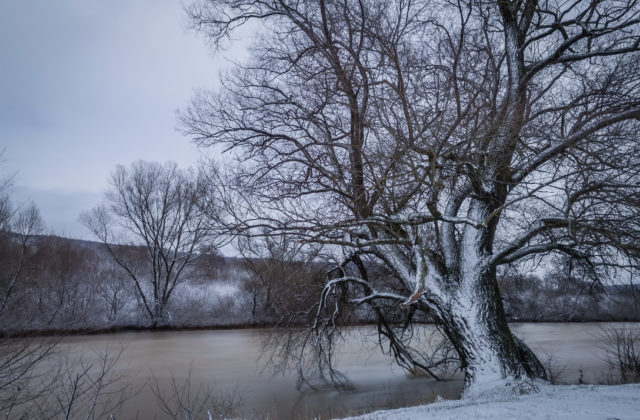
{"points": [[228, 359]]}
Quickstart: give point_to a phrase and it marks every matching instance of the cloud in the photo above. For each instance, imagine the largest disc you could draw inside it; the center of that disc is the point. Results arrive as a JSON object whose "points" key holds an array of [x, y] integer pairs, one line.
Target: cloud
{"points": [[87, 84], [59, 209]]}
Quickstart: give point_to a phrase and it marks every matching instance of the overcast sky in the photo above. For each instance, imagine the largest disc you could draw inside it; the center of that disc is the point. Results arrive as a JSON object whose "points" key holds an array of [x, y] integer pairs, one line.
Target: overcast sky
{"points": [[88, 84]]}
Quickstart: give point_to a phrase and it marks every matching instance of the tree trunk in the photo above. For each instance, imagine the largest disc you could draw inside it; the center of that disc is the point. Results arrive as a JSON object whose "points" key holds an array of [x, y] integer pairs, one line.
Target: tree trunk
{"points": [[157, 314], [491, 355], [473, 319]]}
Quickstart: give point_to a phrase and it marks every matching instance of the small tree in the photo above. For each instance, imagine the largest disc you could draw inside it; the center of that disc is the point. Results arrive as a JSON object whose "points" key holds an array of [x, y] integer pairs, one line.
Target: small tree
{"points": [[17, 227], [158, 208], [58, 283], [21, 379], [113, 290], [284, 277], [16, 252]]}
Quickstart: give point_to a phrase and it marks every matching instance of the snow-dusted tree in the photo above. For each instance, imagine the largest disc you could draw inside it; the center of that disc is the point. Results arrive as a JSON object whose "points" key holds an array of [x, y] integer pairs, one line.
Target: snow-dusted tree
{"points": [[16, 250], [443, 139], [21, 359], [154, 227], [283, 277], [5, 205]]}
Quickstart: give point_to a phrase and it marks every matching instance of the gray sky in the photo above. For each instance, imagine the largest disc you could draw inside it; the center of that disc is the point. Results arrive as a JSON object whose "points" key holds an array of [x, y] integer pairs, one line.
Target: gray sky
{"points": [[88, 84]]}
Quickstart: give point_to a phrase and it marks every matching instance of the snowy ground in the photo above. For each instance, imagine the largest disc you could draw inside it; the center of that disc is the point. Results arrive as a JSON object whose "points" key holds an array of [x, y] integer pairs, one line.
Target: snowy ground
{"points": [[584, 402]]}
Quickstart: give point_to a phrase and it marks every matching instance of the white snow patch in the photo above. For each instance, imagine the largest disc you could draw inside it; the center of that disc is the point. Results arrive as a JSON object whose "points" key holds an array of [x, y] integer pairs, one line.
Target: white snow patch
{"points": [[565, 402]]}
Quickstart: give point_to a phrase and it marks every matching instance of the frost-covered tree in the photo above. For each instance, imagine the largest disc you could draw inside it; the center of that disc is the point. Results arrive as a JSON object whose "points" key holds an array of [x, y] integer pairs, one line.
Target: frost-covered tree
{"points": [[16, 251], [283, 277], [442, 139], [154, 227]]}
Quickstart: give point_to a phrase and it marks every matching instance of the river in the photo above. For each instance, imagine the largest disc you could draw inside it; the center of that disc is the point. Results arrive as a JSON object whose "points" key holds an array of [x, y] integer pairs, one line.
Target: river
{"points": [[229, 361]]}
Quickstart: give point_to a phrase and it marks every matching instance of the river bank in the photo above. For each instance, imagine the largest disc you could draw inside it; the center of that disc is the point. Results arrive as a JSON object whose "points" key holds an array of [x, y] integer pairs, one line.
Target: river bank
{"points": [[559, 402], [117, 329]]}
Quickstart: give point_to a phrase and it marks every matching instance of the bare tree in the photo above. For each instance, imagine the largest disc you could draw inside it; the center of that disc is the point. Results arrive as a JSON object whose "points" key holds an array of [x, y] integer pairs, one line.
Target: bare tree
{"points": [[17, 227], [113, 290], [444, 140], [22, 376], [5, 207], [157, 210], [284, 277], [16, 249], [59, 284], [78, 388], [621, 345], [182, 399], [5, 203], [20, 358]]}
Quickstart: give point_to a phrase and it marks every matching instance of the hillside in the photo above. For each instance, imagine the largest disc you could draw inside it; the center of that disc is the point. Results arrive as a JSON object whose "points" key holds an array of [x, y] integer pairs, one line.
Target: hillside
{"points": [[74, 284]]}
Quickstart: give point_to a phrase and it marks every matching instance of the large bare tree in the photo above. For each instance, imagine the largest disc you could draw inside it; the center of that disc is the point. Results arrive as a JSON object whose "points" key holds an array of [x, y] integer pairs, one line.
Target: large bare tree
{"points": [[442, 139], [154, 227]]}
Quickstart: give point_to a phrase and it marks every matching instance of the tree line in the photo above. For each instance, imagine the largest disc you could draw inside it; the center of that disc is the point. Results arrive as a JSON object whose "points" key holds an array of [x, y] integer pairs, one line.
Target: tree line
{"points": [[56, 285]]}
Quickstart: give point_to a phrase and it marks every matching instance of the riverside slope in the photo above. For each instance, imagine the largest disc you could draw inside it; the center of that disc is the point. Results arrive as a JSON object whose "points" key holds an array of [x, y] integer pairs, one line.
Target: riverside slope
{"points": [[564, 402]]}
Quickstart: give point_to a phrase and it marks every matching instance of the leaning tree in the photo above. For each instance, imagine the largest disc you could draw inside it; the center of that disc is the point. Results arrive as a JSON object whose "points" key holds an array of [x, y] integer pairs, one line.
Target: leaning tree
{"points": [[443, 140]]}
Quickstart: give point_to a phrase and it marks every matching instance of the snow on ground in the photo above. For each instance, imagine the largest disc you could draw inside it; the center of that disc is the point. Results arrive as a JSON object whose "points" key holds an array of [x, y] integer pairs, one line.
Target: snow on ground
{"points": [[584, 402]]}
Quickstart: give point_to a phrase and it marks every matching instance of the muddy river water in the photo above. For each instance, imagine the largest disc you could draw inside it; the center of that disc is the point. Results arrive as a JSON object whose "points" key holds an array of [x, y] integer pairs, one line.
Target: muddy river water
{"points": [[229, 360]]}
